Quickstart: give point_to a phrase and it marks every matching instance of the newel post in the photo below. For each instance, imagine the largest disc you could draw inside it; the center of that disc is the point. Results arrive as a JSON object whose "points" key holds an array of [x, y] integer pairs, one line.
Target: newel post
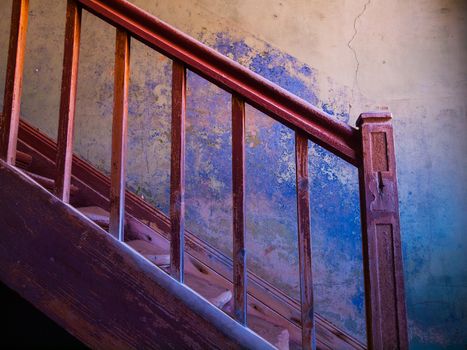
{"points": [[382, 254]]}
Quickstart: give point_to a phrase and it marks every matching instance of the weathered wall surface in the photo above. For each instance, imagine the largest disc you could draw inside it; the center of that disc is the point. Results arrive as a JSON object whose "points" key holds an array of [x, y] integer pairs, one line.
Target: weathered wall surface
{"points": [[343, 56]]}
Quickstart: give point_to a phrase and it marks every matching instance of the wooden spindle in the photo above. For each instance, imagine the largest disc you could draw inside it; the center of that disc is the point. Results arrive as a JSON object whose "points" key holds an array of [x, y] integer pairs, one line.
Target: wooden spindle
{"points": [[177, 173], [68, 101], [238, 188], [119, 134], [9, 121], [304, 242]]}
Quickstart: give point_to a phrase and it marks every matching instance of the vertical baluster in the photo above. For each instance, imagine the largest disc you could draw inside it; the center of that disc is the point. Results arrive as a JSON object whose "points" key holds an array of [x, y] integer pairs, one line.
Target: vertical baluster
{"points": [[67, 101], [119, 134], [177, 173], [238, 188], [304, 242], [9, 121]]}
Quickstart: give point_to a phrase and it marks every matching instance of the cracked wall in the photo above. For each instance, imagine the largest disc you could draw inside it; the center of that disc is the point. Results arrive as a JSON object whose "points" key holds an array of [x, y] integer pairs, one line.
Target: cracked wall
{"points": [[345, 57]]}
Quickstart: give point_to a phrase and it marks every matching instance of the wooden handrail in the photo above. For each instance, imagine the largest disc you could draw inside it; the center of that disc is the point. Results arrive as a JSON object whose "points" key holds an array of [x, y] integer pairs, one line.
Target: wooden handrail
{"points": [[321, 128]]}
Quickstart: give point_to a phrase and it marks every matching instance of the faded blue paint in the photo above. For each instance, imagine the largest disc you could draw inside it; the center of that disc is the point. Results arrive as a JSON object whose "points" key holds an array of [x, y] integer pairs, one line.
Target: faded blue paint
{"points": [[271, 203]]}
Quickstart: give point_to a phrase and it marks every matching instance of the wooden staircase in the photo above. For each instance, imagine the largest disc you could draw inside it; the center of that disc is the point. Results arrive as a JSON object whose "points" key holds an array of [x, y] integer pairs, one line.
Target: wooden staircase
{"points": [[270, 313], [98, 289], [155, 243]]}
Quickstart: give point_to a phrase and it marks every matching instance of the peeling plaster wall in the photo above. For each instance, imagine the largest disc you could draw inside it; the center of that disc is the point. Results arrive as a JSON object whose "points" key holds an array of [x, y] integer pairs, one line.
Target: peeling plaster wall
{"points": [[343, 56]]}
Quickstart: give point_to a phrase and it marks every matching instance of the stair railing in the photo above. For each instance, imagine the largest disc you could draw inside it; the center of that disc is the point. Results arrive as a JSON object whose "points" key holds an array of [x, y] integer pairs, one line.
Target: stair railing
{"points": [[370, 148]]}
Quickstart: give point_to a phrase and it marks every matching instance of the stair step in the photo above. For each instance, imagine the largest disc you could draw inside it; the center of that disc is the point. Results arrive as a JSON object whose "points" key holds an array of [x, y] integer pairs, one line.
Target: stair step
{"points": [[151, 252], [48, 183], [23, 160], [277, 336], [158, 255], [198, 279], [273, 333], [97, 214]]}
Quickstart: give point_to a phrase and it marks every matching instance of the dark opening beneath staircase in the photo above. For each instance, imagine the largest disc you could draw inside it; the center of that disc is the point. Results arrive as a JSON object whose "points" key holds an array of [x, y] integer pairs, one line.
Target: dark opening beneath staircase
{"points": [[25, 327]]}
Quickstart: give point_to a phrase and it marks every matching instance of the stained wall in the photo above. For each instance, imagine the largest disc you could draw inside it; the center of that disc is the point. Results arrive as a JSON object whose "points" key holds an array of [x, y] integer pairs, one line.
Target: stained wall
{"points": [[343, 56]]}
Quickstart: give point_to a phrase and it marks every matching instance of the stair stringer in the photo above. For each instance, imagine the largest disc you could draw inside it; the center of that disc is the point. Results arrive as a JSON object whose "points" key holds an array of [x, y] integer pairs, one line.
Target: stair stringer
{"points": [[99, 290]]}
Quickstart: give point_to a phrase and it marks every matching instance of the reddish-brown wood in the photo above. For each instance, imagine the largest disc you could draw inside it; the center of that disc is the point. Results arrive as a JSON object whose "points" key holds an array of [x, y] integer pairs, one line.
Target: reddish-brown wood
{"points": [[119, 134], [98, 289], [67, 101], [304, 242], [13, 82], [263, 297], [384, 281], [334, 135], [177, 172], [48, 183], [238, 208], [23, 160]]}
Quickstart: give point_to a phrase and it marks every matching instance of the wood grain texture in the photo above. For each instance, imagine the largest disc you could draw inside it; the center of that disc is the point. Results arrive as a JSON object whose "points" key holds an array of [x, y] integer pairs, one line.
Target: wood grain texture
{"points": [[23, 160], [119, 134], [264, 299], [320, 127], [177, 171], [48, 183], [99, 290], [238, 209], [382, 255], [68, 101], [9, 122], [304, 242]]}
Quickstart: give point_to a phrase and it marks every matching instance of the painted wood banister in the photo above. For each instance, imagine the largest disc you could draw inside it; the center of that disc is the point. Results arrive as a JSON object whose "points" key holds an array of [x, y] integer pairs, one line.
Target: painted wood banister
{"points": [[9, 122], [370, 148], [119, 134], [304, 242], [177, 171], [238, 208], [68, 101]]}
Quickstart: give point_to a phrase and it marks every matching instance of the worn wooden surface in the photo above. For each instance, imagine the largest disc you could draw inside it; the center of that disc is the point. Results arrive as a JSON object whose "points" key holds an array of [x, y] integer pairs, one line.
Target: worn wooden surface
{"points": [[177, 171], [238, 209], [99, 290], [332, 134], [264, 299], [382, 255], [9, 120], [304, 242], [48, 183], [119, 133], [23, 160], [68, 101]]}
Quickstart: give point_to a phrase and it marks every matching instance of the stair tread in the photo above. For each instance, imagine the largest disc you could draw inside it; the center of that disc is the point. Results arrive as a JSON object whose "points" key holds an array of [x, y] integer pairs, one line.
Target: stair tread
{"points": [[159, 255], [23, 160], [48, 183], [199, 279], [273, 333], [276, 335], [97, 214]]}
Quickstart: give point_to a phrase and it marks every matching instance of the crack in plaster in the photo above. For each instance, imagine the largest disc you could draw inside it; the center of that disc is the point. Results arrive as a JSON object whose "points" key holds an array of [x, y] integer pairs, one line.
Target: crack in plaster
{"points": [[354, 51]]}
